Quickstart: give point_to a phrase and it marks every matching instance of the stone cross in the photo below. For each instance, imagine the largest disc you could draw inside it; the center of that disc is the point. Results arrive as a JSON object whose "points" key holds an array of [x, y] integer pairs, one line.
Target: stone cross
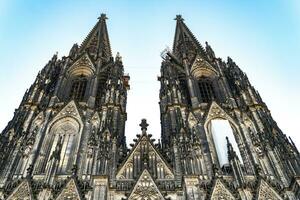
{"points": [[144, 125]]}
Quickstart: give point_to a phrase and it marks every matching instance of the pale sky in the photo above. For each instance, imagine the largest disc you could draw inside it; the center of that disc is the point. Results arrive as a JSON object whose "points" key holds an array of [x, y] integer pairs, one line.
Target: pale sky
{"points": [[262, 37]]}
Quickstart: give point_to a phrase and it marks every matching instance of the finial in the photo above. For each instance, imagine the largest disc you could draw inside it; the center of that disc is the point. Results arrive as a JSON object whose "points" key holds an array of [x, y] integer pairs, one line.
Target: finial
{"points": [[102, 17], [144, 125], [179, 18]]}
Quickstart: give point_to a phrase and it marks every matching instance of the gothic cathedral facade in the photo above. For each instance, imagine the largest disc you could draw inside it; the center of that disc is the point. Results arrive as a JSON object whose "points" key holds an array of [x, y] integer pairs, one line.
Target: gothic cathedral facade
{"points": [[67, 137]]}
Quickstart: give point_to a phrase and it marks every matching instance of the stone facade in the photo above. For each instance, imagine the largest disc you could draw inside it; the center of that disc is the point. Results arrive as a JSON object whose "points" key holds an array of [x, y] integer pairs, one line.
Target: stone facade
{"points": [[67, 141]]}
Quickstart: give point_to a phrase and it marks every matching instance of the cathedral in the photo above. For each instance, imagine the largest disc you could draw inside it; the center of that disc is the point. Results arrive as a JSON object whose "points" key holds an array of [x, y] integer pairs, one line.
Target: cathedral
{"points": [[67, 137]]}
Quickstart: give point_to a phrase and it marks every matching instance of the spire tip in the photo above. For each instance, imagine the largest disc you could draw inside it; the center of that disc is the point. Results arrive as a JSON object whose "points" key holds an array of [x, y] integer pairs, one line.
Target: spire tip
{"points": [[179, 18], [102, 16]]}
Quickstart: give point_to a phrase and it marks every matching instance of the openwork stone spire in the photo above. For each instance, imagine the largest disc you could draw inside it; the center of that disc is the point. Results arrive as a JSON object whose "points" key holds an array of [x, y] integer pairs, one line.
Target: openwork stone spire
{"points": [[97, 42]]}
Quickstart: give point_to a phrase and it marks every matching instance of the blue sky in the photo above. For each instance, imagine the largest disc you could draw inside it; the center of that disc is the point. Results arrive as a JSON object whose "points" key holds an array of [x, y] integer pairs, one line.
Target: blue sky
{"points": [[263, 37]]}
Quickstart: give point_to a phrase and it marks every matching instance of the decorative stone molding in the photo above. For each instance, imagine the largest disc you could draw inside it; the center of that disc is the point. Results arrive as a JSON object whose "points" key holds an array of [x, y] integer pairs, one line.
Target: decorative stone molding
{"points": [[69, 192], [145, 188], [83, 66], [220, 192], [201, 68], [23, 191], [267, 192]]}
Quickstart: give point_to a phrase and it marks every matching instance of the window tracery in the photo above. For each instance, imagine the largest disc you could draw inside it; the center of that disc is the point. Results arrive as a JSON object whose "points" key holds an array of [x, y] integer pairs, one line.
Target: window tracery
{"points": [[206, 89], [78, 88]]}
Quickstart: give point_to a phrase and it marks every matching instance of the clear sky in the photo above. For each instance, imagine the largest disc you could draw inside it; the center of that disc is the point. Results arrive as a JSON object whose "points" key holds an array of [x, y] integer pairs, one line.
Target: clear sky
{"points": [[263, 37]]}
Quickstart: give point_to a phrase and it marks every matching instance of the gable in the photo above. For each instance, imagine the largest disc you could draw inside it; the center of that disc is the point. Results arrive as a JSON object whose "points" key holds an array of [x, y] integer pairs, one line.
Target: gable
{"points": [[221, 192], [192, 121], [69, 192], [155, 160], [216, 111], [83, 66], [95, 119], [70, 110], [23, 191], [201, 68], [145, 188], [267, 192], [39, 119]]}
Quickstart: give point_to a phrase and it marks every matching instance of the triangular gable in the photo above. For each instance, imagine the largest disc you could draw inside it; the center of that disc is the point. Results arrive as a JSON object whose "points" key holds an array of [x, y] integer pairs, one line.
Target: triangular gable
{"points": [[70, 192], [70, 110], [83, 65], [215, 111], [39, 118], [95, 119], [201, 67], [221, 192], [23, 191], [145, 188], [129, 160], [192, 120], [267, 192]]}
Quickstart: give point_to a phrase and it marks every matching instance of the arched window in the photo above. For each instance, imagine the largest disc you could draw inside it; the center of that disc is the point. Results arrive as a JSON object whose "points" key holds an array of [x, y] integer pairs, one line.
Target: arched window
{"points": [[207, 92], [220, 129], [78, 88], [64, 132]]}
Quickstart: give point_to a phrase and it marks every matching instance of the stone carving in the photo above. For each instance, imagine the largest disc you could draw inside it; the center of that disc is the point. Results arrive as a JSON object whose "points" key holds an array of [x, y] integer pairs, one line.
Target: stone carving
{"points": [[145, 188], [69, 192], [83, 66], [220, 192], [144, 158], [22, 192], [69, 110], [267, 192], [201, 68], [216, 111]]}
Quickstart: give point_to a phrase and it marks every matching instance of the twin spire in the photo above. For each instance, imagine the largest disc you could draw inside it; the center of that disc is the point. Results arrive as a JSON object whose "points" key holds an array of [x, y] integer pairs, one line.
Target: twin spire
{"points": [[97, 42]]}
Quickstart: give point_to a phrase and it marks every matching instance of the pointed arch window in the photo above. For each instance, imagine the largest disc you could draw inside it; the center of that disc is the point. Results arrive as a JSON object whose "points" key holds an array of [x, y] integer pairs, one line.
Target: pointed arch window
{"points": [[206, 88], [78, 88], [219, 130], [62, 140]]}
